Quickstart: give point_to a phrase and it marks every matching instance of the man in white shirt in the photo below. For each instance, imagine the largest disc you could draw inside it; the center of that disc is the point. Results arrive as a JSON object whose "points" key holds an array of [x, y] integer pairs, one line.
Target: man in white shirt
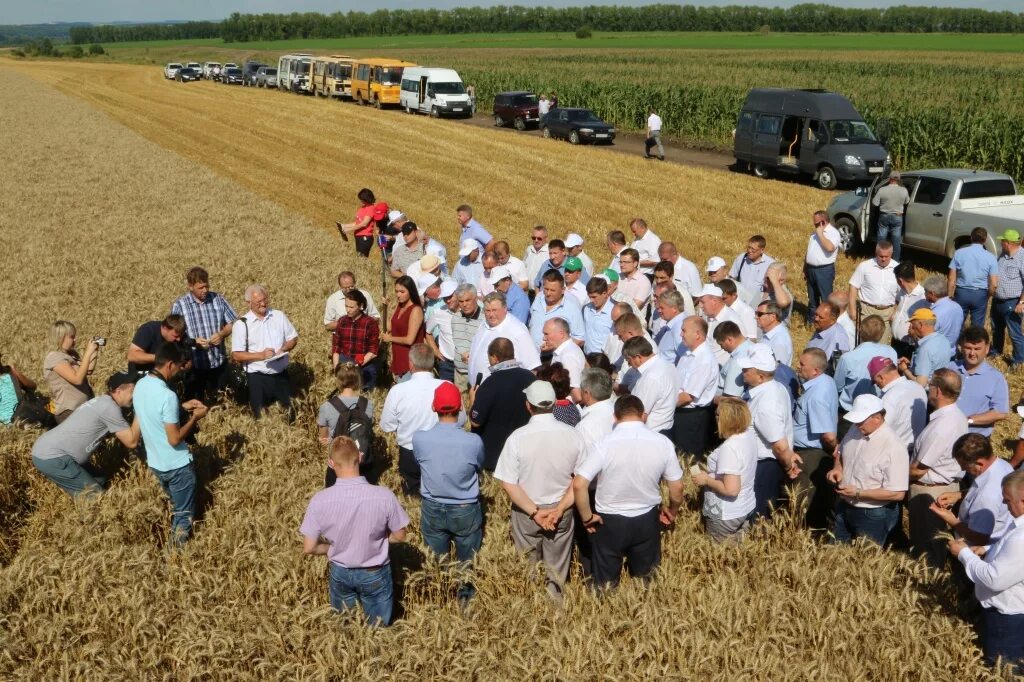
{"points": [[489, 261], [771, 413], [658, 385], [841, 300], [574, 285], [774, 334], [697, 369], [625, 522], [626, 326], [574, 245], [684, 273], [999, 581], [616, 244], [440, 335], [646, 243], [820, 261], [747, 320], [905, 401], [909, 299], [750, 267], [714, 311], [498, 323], [982, 518], [718, 270], [565, 351], [933, 470], [262, 340], [597, 416], [653, 137], [335, 307], [536, 253], [873, 288], [516, 267], [408, 408], [730, 339], [871, 472], [535, 469]]}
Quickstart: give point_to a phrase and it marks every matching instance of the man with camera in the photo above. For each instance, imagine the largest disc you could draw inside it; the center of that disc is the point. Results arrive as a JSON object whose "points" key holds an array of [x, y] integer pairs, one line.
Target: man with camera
{"points": [[149, 338]]}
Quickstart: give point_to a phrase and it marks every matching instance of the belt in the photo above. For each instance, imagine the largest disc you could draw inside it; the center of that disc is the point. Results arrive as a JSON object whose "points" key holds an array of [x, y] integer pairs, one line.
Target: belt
{"points": [[932, 485], [877, 307], [1008, 298], [826, 265]]}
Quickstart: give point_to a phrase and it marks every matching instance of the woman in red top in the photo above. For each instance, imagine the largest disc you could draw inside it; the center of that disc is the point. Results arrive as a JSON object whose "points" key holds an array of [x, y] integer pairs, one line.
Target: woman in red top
{"points": [[363, 225], [356, 339], [406, 325]]}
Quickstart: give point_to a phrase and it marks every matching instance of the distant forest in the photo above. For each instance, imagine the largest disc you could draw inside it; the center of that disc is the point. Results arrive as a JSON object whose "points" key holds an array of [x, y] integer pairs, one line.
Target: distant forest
{"points": [[514, 19], [19, 35]]}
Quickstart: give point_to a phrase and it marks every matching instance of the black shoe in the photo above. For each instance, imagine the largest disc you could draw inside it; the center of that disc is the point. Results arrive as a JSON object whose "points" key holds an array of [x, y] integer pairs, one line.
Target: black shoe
{"points": [[647, 156], [661, 158]]}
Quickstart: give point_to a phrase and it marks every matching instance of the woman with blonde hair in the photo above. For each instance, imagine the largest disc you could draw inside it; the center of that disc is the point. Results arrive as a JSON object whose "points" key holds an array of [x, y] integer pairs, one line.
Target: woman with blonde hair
{"points": [[729, 481], [65, 372], [349, 405]]}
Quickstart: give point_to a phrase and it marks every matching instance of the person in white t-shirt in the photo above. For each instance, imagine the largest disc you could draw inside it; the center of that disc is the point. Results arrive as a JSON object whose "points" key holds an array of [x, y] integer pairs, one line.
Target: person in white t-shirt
{"points": [[820, 261], [729, 481], [653, 138], [646, 243]]}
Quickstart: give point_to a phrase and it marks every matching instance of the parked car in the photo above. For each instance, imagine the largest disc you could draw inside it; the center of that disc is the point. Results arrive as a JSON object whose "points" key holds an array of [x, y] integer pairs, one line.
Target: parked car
{"points": [[438, 92], [231, 65], [249, 72], [577, 125], [186, 75], [810, 132], [945, 205], [171, 70], [209, 69], [197, 67], [520, 108], [266, 77], [231, 76]]}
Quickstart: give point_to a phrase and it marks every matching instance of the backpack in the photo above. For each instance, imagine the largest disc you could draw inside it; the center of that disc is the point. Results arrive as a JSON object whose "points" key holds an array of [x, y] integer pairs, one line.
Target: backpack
{"points": [[355, 423]]}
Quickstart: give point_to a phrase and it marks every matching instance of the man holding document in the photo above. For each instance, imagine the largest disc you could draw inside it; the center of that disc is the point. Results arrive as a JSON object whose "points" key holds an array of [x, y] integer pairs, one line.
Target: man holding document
{"points": [[261, 340]]}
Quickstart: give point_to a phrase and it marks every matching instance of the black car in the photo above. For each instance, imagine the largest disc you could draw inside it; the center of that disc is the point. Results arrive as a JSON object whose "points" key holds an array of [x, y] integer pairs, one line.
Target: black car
{"points": [[231, 76], [249, 70], [577, 125], [518, 108], [185, 75]]}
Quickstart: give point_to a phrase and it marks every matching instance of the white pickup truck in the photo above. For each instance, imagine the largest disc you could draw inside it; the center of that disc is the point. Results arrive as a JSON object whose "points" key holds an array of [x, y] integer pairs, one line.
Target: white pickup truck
{"points": [[945, 205]]}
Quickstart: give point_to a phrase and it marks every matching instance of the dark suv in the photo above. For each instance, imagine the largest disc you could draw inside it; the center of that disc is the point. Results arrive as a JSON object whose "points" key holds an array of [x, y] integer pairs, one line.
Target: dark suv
{"points": [[518, 108], [249, 70], [577, 125]]}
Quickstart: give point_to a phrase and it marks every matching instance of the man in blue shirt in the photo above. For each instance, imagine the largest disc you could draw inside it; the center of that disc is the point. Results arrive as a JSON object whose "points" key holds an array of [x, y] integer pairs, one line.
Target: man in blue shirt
{"points": [[557, 255], [156, 407], [973, 276], [984, 393], [469, 269], [949, 316], [516, 300], [852, 378], [815, 425], [829, 335], [933, 350], [450, 460], [597, 316], [552, 302], [471, 229]]}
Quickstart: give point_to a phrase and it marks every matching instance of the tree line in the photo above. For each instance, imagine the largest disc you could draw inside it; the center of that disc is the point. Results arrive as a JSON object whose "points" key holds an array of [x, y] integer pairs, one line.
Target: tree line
{"points": [[811, 18]]}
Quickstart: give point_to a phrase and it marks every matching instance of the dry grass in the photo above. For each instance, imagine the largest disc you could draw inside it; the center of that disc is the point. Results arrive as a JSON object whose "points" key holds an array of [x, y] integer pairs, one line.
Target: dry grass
{"points": [[95, 228]]}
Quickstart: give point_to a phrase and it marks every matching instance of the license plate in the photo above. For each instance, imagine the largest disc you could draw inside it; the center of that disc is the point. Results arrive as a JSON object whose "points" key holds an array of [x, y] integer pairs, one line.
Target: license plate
{"points": [[457, 109], [874, 169], [601, 135]]}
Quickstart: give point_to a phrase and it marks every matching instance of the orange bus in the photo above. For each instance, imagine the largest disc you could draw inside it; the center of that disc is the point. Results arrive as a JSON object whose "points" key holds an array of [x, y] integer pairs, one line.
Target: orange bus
{"points": [[377, 81], [332, 76]]}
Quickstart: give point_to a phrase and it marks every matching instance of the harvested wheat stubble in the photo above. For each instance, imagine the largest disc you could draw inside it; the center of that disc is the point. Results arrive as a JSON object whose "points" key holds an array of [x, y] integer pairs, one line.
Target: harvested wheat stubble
{"points": [[91, 591]]}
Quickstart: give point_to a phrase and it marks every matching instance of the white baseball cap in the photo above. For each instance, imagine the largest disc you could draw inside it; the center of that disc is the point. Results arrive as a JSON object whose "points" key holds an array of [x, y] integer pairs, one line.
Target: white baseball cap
{"points": [[864, 406], [572, 240], [468, 247], [394, 216], [497, 274], [710, 290], [448, 287], [540, 394], [425, 281], [760, 358], [715, 263]]}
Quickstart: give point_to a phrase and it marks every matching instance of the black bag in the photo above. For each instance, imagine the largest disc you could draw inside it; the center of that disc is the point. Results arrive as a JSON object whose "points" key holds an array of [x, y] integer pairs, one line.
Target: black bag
{"points": [[237, 381], [650, 143], [31, 408], [356, 424]]}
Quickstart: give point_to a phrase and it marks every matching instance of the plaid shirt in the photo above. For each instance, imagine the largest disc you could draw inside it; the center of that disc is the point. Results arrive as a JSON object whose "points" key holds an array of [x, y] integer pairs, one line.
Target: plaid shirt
{"points": [[356, 337], [203, 320]]}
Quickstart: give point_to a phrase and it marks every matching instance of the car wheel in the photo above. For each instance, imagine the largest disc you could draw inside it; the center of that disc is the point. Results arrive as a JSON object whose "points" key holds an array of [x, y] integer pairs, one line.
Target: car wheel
{"points": [[849, 235], [435, 112], [741, 166], [545, 132], [499, 121], [760, 170], [574, 137], [520, 123], [826, 178], [377, 103]]}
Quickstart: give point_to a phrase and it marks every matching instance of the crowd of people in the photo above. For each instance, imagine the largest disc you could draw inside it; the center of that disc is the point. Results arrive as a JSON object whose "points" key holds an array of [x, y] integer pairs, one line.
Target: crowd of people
{"points": [[578, 387]]}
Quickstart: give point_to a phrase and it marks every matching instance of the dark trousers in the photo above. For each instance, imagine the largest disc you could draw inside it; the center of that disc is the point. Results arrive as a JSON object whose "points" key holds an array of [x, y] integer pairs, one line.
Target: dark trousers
{"points": [[409, 470], [204, 384], [812, 484], [1002, 635], [820, 280], [367, 372], [268, 389], [446, 370], [637, 539], [692, 430], [974, 303], [364, 245], [584, 546], [767, 485]]}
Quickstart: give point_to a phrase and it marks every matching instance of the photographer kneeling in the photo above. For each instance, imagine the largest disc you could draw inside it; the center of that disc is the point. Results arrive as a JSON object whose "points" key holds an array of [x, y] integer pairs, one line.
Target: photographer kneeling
{"points": [[61, 454]]}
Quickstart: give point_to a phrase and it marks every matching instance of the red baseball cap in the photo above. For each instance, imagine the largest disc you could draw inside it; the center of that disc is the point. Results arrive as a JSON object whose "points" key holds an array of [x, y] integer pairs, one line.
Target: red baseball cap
{"points": [[447, 398]]}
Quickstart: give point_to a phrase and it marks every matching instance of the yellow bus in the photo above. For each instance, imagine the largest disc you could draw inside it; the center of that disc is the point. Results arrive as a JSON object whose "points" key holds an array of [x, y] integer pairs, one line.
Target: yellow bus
{"points": [[377, 81], [332, 76]]}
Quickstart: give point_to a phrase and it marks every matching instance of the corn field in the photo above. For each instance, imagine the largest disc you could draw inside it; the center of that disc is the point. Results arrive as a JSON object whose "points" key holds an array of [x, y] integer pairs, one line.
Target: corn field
{"points": [[120, 182]]}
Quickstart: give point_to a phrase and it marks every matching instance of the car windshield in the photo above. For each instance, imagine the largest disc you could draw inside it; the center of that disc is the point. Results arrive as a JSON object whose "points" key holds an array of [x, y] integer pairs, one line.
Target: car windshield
{"points": [[584, 116], [851, 132], [303, 67], [174, 66], [188, 71], [213, 65], [449, 89], [391, 75], [234, 72], [525, 100], [193, 65], [271, 72]]}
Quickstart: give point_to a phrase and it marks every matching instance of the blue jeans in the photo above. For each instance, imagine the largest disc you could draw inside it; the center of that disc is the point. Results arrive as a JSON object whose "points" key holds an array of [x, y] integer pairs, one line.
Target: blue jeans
{"points": [[72, 477], [443, 525], [370, 587], [974, 303], [1002, 635], [180, 486], [1003, 320], [767, 486], [446, 370], [855, 522], [891, 227], [820, 281]]}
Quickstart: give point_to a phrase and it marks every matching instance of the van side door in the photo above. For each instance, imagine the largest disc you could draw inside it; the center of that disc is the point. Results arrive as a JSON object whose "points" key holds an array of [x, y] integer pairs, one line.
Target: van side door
{"points": [[766, 139], [813, 138], [744, 137], [927, 214]]}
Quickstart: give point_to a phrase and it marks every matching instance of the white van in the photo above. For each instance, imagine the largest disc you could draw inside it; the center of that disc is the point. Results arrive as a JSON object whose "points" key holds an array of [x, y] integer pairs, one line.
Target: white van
{"points": [[438, 92], [293, 72]]}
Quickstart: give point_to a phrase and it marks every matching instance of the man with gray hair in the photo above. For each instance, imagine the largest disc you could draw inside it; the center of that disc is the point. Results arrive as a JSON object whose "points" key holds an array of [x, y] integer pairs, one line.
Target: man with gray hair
{"points": [[465, 324], [499, 324], [598, 405], [774, 334], [668, 338], [949, 316], [565, 351], [261, 340], [891, 201]]}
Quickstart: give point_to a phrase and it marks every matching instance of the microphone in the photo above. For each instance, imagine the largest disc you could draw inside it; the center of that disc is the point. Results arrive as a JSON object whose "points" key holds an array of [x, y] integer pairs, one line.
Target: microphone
{"points": [[479, 379]]}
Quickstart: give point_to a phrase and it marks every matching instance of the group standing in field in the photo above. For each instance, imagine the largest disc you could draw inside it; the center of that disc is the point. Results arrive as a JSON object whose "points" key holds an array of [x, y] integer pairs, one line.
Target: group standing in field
{"points": [[578, 387]]}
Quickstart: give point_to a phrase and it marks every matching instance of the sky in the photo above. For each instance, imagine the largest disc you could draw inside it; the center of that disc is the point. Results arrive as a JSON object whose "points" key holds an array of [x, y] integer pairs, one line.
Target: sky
{"points": [[101, 11]]}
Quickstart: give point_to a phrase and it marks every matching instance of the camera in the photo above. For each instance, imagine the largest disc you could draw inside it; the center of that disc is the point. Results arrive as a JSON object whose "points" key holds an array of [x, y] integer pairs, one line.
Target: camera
{"points": [[189, 344], [99, 340]]}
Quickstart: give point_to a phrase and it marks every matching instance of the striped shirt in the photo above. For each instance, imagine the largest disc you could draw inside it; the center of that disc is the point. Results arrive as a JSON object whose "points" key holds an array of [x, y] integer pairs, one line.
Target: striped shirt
{"points": [[1011, 275], [463, 330], [203, 320], [355, 518]]}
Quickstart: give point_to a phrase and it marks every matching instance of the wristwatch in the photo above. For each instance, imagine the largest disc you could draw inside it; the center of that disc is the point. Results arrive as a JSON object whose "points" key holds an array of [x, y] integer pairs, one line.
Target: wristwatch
{"points": [[970, 421]]}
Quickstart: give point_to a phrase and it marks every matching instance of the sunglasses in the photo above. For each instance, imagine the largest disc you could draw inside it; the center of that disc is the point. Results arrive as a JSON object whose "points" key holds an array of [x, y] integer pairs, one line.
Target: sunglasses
{"points": [[820, 224], [762, 313], [538, 239]]}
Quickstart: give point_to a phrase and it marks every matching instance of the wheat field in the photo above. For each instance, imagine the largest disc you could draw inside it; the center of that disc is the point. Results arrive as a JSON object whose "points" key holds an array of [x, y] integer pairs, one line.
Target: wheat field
{"points": [[115, 182]]}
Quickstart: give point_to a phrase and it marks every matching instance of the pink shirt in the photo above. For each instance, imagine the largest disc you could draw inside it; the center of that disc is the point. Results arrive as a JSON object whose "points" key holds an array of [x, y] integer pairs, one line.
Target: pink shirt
{"points": [[356, 518], [637, 286]]}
